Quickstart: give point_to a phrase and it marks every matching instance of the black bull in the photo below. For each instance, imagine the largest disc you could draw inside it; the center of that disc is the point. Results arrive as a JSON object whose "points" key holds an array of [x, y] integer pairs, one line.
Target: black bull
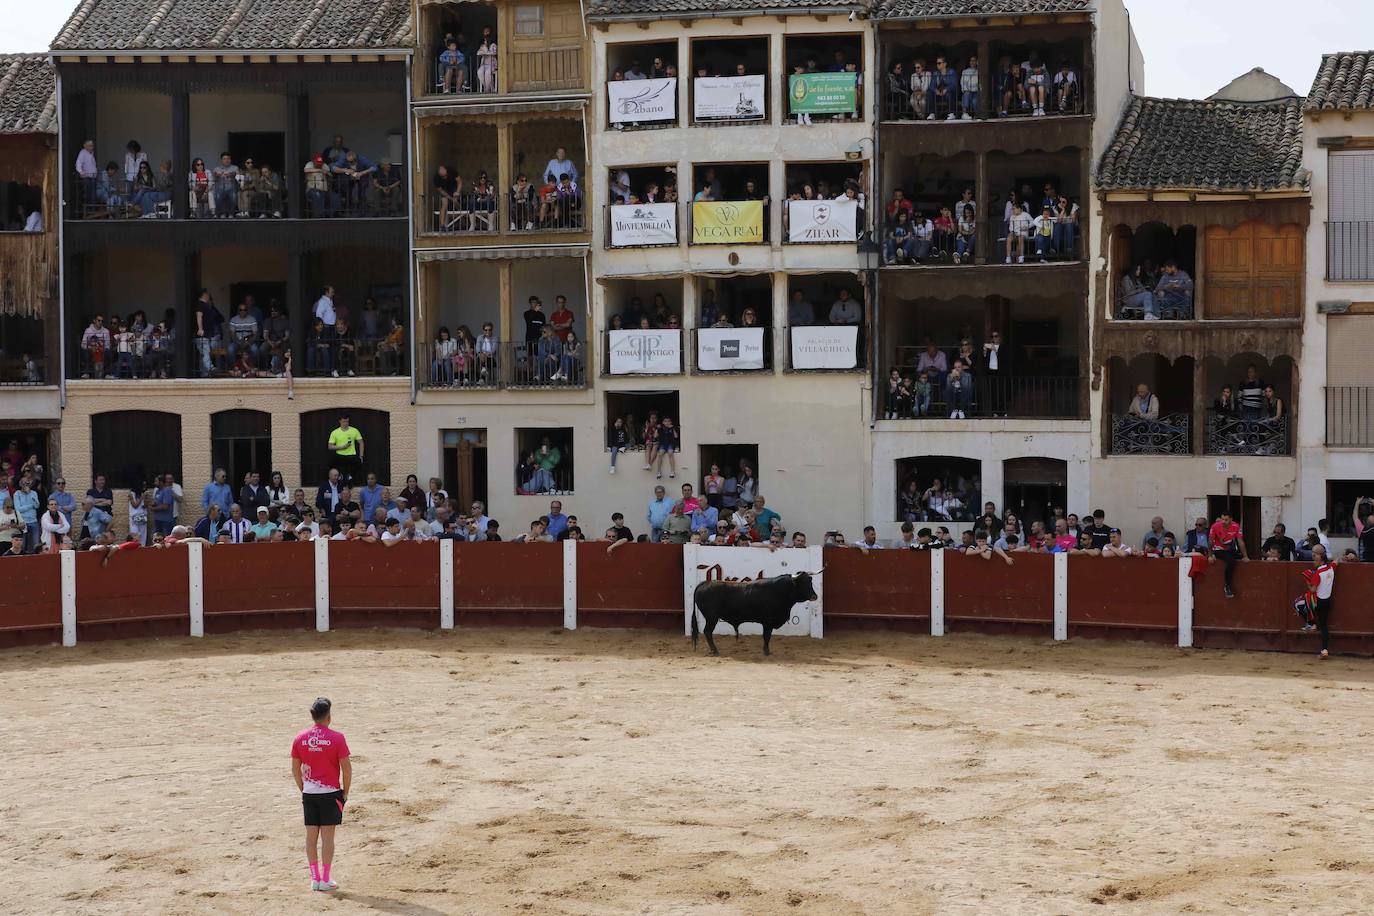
{"points": [[767, 602]]}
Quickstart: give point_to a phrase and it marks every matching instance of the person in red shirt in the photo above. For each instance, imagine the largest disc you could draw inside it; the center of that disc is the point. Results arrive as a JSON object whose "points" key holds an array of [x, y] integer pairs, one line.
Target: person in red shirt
{"points": [[562, 318], [1227, 546], [323, 772]]}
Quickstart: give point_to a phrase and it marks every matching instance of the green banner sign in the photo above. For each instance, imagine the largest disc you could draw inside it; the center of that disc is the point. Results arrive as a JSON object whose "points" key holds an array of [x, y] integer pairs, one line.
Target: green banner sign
{"points": [[823, 93]]}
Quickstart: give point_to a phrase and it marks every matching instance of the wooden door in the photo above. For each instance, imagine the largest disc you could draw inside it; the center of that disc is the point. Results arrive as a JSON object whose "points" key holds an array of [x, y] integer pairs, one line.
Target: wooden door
{"points": [[546, 46], [1254, 271]]}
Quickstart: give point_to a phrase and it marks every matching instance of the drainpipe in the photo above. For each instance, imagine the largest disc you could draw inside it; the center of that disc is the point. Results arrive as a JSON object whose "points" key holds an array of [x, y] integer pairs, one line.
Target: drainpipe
{"points": [[412, 266], [61, 218]]}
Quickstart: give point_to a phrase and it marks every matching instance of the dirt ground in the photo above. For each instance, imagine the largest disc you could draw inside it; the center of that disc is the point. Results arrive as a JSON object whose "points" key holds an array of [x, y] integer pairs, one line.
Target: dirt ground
{"points": [[609, 772]]}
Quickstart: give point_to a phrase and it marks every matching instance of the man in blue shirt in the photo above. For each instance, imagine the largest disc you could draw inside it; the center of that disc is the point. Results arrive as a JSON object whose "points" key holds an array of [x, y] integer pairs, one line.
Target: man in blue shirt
{"points": [[217, 492], [66, 502], [705, 516], [370, 497], [558, 522], [660, 507], [165, 508], [209, 526], [97, 520], [451, 66]]}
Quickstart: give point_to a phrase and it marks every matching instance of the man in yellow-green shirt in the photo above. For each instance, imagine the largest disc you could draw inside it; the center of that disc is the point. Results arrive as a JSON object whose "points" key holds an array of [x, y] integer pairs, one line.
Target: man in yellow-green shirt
{"points": [[346, 442]]}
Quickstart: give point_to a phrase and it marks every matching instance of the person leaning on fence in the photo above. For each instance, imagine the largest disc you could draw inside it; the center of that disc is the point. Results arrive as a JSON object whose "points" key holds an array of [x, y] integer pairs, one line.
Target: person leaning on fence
{"points": [[1319, 578], [1228, 545]]}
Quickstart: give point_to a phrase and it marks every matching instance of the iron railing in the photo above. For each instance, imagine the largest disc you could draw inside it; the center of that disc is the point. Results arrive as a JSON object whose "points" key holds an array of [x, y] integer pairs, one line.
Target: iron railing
{"points": [[900, 104], [355, 198], [465, 368], [530, 481], [987, 245], [1228, 434], [553, 212], [1350, 416], [993, 396], [17, 371], [1350, 250], [514, 364], [468, 212], [1166, 304], [1169, 435], [461, 78]]}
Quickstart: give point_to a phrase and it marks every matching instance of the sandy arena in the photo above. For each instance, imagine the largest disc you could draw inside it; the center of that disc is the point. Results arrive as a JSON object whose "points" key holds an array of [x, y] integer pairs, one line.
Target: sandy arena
{"points": [[607, 772]]}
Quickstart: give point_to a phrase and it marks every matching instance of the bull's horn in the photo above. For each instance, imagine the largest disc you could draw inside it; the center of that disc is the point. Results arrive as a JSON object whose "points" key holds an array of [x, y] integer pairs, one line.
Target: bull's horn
{"points": [[817, 572]]}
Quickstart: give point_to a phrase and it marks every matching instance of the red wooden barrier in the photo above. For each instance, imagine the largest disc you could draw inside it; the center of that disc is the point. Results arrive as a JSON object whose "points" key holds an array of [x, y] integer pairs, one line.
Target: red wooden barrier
{"points": [[988, 596], [1123, 598], [508, 584], [637, 585], [375, 586], [259, 586], [30, 601], [885, 589], [1261, 615], [140, 593]]}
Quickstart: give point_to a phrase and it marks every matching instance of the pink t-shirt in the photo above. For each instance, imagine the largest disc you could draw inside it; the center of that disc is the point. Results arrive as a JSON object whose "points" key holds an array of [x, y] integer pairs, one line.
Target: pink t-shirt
{"points": [[319, 750]]}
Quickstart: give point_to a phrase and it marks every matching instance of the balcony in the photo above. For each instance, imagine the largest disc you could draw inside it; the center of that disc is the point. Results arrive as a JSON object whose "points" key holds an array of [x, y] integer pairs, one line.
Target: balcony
{"points": [[729, 222], [992, 397], [141, 356], [987, 245], [464, 214], [901, 103], [733, 350], [1171, 434], [515, 364], [1350, 417], [1350, 251], [1231, 435], [1164, 303], [18, 372]]}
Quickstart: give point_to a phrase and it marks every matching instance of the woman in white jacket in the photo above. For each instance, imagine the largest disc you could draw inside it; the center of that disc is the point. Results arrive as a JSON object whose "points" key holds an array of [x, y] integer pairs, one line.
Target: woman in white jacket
{"points": [[54, 525]]}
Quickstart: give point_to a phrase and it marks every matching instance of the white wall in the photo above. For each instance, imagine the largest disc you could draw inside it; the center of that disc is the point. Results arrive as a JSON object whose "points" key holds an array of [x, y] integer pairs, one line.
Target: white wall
{"points": [[1320, 464], [123, 115], [368, 121], [215, 115], [1119, 64]]}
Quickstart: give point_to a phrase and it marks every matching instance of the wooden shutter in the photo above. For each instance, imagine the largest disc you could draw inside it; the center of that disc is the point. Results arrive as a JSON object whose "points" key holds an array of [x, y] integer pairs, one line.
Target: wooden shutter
{"points": [[551, 58], [1254, 271]]}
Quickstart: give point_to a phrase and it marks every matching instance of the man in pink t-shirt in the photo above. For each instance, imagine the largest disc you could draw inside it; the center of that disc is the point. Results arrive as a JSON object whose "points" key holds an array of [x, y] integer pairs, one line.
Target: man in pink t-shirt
{"points": [[323, 773]]}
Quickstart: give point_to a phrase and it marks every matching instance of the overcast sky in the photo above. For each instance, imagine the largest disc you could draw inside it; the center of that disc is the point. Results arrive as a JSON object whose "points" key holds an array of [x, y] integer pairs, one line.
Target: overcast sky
{"points": [[1192, 47]]}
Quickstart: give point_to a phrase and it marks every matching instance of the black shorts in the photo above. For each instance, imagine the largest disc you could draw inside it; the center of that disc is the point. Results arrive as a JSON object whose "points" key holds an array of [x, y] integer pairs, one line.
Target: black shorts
{"points": [[323, 809]]}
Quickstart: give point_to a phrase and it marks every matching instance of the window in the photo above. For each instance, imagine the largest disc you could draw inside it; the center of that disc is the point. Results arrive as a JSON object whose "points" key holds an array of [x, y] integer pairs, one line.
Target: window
{"points": [[529, 20], [17, 201], [545, 463], [131, 446], [634, 407], [241, 442], [1340, 504], [1351, 215], [732, 459], [938, 488], [316, 425]]}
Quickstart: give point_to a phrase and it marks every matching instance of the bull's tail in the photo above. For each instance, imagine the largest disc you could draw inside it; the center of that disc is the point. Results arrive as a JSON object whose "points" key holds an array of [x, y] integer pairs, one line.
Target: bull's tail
{"points": [[694, 616]]}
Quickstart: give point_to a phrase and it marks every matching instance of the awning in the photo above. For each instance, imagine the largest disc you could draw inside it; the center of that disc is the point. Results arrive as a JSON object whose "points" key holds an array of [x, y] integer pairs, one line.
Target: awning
{"points": [[500, 254]]}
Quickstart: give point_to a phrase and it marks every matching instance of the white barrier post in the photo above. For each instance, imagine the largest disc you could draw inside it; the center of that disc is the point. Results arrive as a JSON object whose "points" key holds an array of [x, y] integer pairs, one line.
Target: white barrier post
{"points": [[195, 585], [937, 592], [68, 597], [322, 585], [570, 584], [689, 586], [446, 584], [816, 553], [1061, 596], [1185, 603]]}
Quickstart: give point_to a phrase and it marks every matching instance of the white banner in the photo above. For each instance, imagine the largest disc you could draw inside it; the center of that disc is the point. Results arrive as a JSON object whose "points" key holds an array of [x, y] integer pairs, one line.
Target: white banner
{"points": [[701, 563], [732, 97], [723, 349], [822, 220], [643, 100], [643, 224], [646, 352], [825, 347]]}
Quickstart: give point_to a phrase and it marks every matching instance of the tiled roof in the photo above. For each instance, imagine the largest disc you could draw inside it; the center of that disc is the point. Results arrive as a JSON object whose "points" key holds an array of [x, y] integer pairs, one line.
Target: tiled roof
{"points": [[28, 94], [645, 9], [949, 9], [246, 25], [1344, 82], [1181, 144]]}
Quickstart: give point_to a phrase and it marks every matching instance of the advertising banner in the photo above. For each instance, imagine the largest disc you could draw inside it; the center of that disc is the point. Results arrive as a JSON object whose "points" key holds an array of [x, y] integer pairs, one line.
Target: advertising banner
{"points": [[642, 100], [701, 563], [733, 98], [643, 224], [823, 93], [726, 349], [642, 352], [727, 222], [825, 347], [822, 220]]}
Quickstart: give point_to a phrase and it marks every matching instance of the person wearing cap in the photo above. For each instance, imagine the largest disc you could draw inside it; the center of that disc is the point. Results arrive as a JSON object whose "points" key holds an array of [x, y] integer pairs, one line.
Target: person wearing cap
{"points": [[396, 507], [323, 771], [317, 186], [262, 531]]}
